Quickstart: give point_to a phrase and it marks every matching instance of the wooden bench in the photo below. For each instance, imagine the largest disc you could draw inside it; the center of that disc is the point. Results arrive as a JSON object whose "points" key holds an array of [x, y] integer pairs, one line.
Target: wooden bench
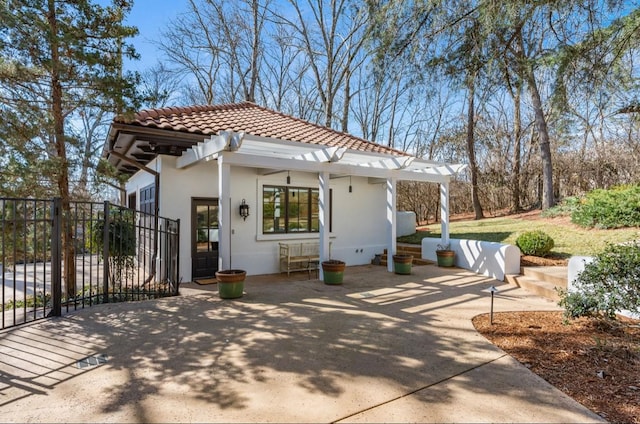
{"points": [[299, 256]]}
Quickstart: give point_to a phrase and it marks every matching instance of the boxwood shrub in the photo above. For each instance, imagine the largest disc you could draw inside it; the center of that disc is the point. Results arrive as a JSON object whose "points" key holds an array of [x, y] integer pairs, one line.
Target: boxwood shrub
{"points": [[536, 243]]}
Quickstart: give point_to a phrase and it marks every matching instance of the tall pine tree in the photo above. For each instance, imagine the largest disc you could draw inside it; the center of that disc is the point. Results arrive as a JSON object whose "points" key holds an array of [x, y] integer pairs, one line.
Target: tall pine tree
{"points": [[57, 57]]}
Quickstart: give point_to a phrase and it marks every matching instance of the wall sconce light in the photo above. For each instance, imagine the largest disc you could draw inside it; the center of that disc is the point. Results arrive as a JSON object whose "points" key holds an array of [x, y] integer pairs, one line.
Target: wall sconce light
{"points": [[350, 187], [244, 210], [288, 178]]}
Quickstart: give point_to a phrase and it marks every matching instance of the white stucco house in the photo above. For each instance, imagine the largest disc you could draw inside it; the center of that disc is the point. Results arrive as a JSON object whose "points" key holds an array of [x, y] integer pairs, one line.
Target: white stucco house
{"points": [[300, 181]]}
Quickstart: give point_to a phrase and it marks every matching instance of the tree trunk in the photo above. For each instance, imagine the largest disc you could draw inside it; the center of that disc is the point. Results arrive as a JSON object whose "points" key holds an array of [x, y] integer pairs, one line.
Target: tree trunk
{"points": [[517, 133], [477, 206], [544, 143], [344, 122], [62, 175], [253, 73]]}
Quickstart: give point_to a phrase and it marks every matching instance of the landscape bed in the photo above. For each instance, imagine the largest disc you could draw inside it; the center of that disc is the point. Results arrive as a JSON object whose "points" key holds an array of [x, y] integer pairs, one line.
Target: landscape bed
{"points": [[596, 363]]}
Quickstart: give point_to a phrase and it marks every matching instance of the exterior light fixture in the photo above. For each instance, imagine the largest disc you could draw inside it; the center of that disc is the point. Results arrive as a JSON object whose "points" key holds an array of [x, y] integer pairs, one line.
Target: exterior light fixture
{"points": [[492, 290], [288, 178], [244, 210], [350, 187]]}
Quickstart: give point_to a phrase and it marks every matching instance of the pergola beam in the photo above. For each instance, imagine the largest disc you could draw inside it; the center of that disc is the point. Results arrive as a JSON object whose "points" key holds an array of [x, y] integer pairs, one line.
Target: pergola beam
{"points": [[400, 162], [208, 149], [329, 154], [356, 170]]}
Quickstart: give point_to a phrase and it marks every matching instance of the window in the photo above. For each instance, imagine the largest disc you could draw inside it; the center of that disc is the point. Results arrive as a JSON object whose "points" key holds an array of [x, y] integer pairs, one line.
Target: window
{"points": [[290, 210], [148, 199]]}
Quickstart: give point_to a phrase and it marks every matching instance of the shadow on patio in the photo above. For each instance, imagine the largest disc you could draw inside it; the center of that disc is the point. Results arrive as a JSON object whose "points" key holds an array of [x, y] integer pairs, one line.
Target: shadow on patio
{"points": [[381, 347]]}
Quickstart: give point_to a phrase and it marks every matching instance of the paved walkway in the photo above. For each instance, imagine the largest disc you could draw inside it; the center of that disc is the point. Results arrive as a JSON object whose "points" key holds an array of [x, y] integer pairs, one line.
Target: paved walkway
{"points": [[379, 348]]}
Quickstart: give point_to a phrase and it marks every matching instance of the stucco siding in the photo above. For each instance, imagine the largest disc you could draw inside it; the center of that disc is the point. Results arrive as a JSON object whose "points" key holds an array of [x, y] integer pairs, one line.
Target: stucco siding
{"points": [[358, 218]]}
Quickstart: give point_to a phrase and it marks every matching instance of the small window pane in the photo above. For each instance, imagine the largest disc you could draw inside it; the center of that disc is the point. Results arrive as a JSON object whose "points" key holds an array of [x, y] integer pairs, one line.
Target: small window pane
{"points": [[273, 218], [315, 211]]}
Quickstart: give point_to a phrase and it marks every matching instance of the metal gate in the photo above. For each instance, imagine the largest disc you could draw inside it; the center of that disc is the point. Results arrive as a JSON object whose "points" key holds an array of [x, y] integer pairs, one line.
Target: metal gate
{"points": [[113, 254]]}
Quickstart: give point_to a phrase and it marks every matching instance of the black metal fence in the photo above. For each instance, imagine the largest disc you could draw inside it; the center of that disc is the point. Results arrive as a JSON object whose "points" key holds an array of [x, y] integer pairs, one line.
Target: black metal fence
{"points": [[53, 260]]}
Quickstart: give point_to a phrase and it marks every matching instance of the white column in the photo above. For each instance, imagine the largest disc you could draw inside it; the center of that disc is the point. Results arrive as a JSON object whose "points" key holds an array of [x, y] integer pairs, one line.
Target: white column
{"points": [[323, 204], [391, 222], [224, 214], [444, 212]]}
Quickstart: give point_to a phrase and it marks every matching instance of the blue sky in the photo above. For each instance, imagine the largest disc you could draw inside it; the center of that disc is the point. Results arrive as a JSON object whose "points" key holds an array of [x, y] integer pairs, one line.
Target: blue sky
{"points": [[150, 16]]}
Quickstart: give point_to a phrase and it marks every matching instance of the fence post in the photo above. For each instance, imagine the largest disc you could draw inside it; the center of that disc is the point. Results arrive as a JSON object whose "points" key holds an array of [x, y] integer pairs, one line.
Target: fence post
{"points": [[177, 270], [56, 256], [105, 253]]}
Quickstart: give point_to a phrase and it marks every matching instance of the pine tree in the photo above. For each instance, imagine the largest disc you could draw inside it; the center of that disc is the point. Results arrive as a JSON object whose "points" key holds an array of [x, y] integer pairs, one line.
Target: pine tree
{"points": [[57, 57]]}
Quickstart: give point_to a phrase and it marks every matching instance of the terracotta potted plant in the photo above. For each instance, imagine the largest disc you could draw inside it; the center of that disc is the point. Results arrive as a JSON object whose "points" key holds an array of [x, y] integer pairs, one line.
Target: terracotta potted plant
{"points": [[402, 263], [445, 256], [230, 283], [333, 271]]}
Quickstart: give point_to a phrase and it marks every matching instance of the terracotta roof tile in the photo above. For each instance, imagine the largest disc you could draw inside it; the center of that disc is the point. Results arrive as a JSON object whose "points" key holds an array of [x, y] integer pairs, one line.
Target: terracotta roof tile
{"points": [[252, 119]]}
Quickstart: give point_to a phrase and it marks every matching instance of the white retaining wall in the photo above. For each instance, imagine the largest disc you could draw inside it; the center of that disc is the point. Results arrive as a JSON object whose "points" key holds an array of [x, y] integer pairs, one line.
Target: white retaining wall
{"points": [[492, 259], [405, 223]]}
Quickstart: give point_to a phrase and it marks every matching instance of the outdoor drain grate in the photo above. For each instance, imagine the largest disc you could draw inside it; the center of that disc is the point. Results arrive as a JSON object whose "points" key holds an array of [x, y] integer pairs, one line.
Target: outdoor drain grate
{"points": [[92, 361]]}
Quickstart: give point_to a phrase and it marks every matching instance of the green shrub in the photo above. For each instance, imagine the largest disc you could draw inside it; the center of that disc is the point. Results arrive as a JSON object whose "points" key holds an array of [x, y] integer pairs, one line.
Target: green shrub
{"points": [[615, 208], [609, 284], [564, 208], [121, 233], [536, 243]]}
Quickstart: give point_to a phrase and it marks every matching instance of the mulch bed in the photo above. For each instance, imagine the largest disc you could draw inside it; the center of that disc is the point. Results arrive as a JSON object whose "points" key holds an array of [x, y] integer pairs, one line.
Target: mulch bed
{"points": [[596, 363]]}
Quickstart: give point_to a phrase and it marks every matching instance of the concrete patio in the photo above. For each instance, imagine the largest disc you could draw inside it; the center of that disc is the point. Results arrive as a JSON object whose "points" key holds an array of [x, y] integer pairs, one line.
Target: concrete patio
{"points": [[380, 348]]}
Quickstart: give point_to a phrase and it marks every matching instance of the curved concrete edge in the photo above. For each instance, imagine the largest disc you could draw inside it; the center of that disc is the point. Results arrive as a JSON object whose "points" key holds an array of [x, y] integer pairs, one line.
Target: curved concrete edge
{"points": [[492, 259]]}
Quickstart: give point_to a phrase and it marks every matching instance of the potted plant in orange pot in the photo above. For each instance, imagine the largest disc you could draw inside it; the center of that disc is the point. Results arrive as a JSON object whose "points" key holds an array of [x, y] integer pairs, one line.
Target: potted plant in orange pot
{"points": [[402, 263], [230, 283], [333, 271], [445, 256]]}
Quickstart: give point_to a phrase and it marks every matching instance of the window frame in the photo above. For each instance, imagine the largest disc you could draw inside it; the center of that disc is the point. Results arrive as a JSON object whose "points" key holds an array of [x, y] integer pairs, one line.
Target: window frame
{"points": [[287, 234]]}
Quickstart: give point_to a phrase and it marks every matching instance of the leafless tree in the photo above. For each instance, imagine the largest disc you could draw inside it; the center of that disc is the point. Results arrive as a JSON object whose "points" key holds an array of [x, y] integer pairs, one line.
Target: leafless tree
{"points": [[331, 34], [218, 46]]}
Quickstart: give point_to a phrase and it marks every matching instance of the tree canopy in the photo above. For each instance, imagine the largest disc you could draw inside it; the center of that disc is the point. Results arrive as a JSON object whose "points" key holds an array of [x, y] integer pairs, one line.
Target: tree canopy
{"points": [[60, 63]]}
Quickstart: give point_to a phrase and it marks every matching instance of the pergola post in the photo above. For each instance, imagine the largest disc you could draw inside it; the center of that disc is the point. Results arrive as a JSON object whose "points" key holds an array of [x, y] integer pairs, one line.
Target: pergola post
{"points": [[224, 214], [444, 212], [323, 215], [391, 222]]}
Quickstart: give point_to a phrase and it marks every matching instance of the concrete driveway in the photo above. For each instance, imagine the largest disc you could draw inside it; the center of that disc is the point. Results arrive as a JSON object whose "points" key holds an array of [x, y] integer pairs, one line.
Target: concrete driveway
{"points": [[380, 348]]}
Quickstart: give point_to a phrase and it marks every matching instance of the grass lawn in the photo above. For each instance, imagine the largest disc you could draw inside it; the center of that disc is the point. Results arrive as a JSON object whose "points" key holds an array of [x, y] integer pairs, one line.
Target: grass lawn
{"points": [[570, 240]]}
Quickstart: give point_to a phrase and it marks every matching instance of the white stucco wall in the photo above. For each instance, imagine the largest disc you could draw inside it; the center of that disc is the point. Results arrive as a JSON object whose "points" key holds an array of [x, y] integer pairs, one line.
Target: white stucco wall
{"points": [[495, 260], [358, 217], [405, 223]]}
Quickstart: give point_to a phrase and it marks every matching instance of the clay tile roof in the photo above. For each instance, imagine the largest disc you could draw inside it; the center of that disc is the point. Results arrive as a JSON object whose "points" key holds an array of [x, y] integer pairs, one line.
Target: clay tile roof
{"points": [[252, 119]]}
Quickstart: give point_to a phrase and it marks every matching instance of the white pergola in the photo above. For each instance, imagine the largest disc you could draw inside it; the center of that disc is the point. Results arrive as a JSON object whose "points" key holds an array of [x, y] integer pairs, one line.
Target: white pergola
{"points": [[275, 155]]}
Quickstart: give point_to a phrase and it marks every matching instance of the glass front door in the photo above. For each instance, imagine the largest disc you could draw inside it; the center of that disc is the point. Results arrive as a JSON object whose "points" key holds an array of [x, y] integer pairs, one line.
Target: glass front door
{"points": [[204, 238]]}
